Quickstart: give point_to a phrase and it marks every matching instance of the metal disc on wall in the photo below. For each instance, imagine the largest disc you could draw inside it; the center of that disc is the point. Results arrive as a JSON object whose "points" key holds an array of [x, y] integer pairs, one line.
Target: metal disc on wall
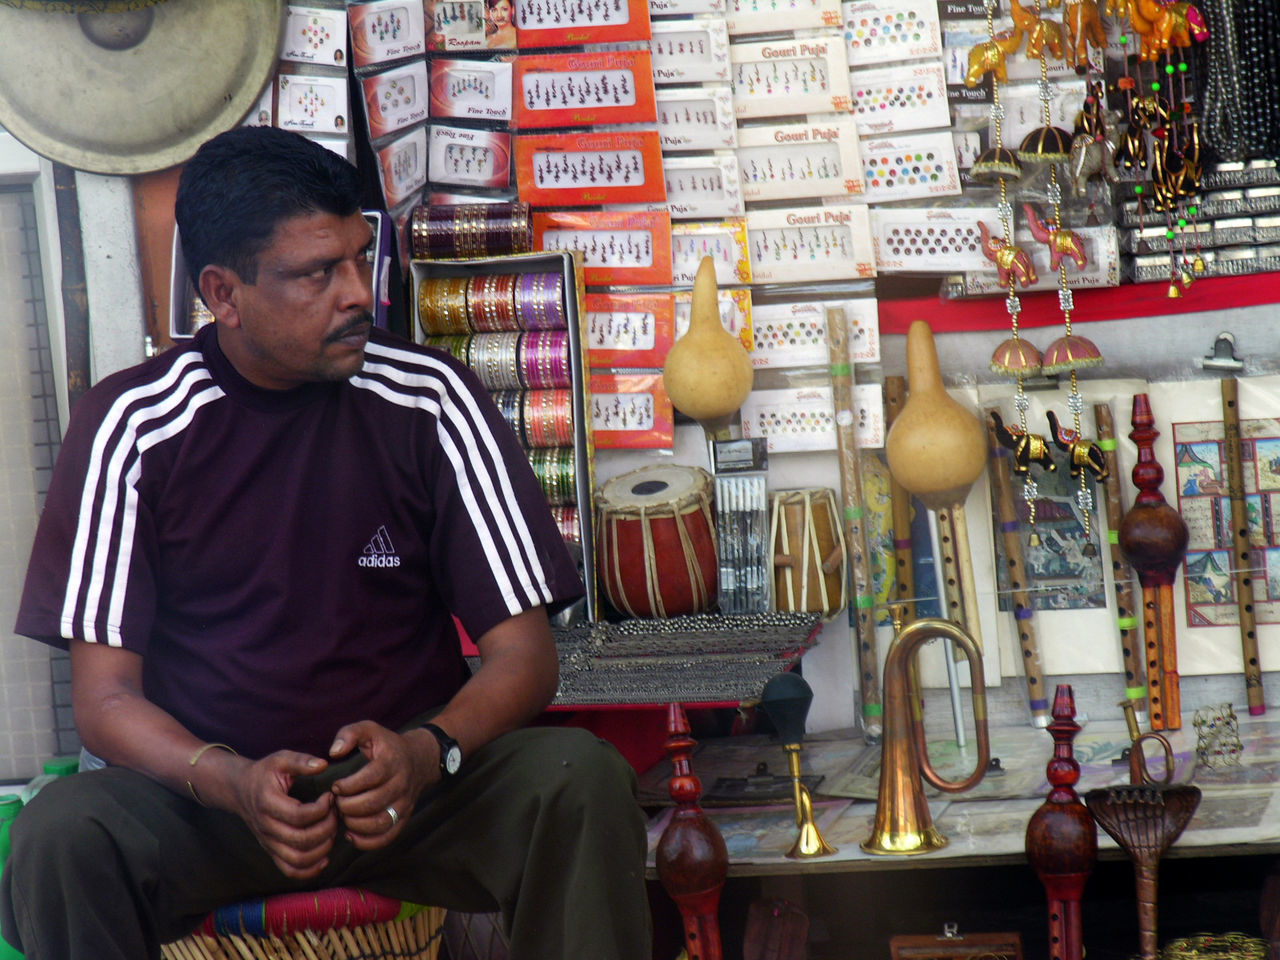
{"points": [[136, 87]]}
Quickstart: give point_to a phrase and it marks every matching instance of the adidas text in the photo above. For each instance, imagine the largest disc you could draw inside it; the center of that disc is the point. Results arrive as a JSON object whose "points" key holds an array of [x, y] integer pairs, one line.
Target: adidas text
{"points": [[380, 561]]}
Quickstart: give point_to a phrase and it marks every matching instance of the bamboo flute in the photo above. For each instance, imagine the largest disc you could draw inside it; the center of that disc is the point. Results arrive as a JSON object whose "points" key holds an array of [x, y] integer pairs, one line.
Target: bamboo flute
{"points": [[1242, 563], [1023, 610], [1121, 574], [861, 607], [904, 581], [1154, 539]]}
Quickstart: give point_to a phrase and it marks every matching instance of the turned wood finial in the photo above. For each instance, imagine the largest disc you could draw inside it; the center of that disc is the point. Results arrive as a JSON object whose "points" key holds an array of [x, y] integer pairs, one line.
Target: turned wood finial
{"points": [[1062, 840], [691, 858], [1153, 536]]}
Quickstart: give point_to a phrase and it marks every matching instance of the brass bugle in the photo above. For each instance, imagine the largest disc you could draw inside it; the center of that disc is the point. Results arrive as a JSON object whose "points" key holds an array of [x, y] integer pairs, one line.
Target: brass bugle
{"points": [[903, 824]]}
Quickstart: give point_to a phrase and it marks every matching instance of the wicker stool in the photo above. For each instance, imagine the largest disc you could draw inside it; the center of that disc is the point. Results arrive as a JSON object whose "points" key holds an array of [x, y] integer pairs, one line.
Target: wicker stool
{"points": [[341, 923]]}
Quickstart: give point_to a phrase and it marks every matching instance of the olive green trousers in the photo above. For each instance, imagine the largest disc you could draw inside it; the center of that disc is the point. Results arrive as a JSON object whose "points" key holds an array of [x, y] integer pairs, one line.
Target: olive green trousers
{"points": [[541, 825]]}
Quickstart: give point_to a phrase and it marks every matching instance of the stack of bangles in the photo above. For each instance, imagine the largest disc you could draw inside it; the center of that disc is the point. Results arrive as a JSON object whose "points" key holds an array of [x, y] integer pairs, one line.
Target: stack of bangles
{"points": [[566, 519], [442, 306], [468, 230], [495, 357], [491, 303], [554, 468], [547, 418]]}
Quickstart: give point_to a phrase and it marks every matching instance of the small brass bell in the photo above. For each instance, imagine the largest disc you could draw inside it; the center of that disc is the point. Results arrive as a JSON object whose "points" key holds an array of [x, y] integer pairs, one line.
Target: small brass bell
{"points": [[1034, 539], [1197, 265], [1174, 292]]}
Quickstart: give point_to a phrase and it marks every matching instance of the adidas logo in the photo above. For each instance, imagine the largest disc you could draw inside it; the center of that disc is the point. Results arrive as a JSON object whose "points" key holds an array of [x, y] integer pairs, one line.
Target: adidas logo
{"points": [[379, 552]]}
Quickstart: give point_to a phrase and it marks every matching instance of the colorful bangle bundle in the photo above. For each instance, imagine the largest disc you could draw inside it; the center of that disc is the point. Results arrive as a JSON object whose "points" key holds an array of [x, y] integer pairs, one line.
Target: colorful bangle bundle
{"points": [[495, 357], [547, 418], [442, 306], [554, 468], [544, 359], [510, 404], [540, 301], [491, 303], [468, 230], [511, 330], [566, 519]]}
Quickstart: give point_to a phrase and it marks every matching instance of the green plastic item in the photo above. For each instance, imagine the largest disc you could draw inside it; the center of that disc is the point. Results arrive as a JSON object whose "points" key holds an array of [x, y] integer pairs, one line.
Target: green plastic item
{"points": [[63, 766], [10, 805]]}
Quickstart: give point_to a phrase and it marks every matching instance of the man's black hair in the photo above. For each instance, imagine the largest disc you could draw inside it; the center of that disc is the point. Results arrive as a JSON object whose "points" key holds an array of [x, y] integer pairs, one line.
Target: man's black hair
{"points": [[241, 184]]}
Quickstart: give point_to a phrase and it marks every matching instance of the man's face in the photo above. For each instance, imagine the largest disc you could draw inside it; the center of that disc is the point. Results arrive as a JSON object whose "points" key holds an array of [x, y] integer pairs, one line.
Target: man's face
{"points": [[307, 318]]}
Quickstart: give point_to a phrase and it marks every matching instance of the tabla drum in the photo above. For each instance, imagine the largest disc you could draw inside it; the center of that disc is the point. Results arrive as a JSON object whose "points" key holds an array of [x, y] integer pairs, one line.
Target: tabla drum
{"points": [[656, 541], [808, 551]]}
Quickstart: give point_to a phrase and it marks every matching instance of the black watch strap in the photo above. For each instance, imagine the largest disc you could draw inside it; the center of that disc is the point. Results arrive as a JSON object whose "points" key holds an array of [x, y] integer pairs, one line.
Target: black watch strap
{"points": [[450, 752]]}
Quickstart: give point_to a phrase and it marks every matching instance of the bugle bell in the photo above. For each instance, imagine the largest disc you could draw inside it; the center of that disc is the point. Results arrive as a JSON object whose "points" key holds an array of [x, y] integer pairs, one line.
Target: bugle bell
{"points": [[903, 824]]}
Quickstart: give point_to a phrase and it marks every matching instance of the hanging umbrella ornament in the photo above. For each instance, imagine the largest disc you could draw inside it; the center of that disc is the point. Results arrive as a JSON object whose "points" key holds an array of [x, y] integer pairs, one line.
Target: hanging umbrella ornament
{"points": [[1046, 144], [1070, 352]]}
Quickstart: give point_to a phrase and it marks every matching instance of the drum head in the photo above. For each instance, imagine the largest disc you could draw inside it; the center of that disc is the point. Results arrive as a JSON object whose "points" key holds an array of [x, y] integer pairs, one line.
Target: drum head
{"points": [[654, 486], [135, 88]]}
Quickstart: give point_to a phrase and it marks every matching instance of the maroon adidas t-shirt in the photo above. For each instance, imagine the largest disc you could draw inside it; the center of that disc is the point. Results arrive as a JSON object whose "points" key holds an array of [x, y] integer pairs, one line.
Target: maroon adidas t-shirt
{"points": [[287, 562]]}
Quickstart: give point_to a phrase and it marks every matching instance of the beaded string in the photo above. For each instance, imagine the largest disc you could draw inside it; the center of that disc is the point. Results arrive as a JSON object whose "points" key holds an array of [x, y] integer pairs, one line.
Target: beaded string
{"points": [[1069, 350], [1015, 356]]}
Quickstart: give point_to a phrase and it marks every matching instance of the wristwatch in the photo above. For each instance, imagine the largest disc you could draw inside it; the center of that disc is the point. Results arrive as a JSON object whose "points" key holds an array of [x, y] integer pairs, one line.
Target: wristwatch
{"points": [[450, 752]]}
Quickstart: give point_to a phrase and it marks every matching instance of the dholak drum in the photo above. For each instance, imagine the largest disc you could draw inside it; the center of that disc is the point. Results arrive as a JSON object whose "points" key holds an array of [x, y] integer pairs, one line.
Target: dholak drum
{"points": [[656, 541], [808, 551]]}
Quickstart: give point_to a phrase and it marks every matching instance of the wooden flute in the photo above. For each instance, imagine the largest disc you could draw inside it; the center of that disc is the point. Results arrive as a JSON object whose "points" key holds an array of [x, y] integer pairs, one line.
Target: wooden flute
{"points": [[861, 606], [904, 579], [1121, 573], [1242, 562], [1154, 539], [1023, 610]]}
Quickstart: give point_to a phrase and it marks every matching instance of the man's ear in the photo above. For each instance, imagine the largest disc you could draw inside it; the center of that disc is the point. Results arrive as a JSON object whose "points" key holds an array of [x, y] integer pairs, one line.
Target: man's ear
{"points": [[220, 288]]}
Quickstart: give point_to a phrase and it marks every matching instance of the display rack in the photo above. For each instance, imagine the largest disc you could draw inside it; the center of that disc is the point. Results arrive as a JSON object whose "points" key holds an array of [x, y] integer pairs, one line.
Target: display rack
{"points": [[568, 266]]}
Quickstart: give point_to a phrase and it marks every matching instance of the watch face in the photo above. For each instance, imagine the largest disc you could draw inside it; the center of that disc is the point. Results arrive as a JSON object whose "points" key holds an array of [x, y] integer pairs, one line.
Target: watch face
{"points": [[452, 760]]}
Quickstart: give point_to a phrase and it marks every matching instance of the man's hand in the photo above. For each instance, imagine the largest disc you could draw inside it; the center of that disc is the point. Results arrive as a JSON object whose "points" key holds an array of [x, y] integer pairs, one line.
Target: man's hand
{"points": [[399, 768], [297, 835]]}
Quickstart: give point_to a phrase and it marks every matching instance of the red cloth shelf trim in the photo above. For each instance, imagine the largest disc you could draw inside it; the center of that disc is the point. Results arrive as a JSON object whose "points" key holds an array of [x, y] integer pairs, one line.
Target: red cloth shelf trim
{"points": [[1040, 309]]}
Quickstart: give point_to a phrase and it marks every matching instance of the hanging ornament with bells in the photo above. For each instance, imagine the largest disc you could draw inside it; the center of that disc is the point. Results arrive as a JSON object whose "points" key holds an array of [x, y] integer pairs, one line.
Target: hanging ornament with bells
{"points": [[1015, 356], [1169, 168], [1071, 352]]}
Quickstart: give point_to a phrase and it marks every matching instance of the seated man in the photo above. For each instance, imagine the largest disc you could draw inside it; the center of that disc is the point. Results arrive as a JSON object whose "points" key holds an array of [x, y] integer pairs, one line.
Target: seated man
{"points": [[254, 546]]}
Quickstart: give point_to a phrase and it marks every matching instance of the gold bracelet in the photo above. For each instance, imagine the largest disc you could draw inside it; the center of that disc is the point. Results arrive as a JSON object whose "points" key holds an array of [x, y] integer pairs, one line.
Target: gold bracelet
{"points": [[195, 758]]}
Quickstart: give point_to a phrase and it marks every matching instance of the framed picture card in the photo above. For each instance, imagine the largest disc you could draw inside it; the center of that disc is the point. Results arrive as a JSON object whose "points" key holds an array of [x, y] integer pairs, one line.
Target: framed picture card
{"points": [[578, 89], [881, 31], [911, 96], [385, 31], [816, 243], [618, 248], [470, 157], [458, 25], [315, 35], [910, 167], [312, 103], [703, 186], [402, 166], [777, 16], [474, 89], [725, 243], [631, 411], [800, 160], [789, 77], [690, 51], [696, 118], [932, 240], [629, 329], [577, 169], [395, 99], [569, 23]]}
